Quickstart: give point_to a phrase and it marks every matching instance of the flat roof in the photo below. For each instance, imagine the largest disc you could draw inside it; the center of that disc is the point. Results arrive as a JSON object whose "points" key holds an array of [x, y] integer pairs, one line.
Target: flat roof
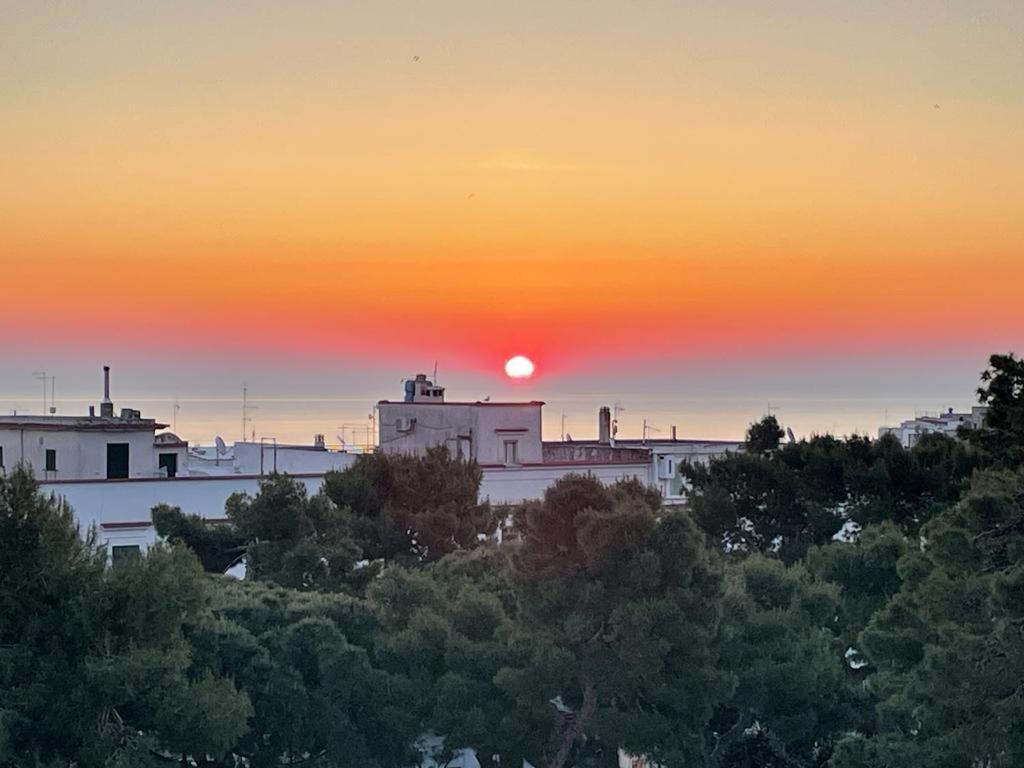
{"points": [[80, 423], [482, 403], [631, 442]]}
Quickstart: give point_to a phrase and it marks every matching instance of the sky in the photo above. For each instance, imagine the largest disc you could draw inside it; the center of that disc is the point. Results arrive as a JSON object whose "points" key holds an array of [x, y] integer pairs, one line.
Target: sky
{"points": [[701, 211]]}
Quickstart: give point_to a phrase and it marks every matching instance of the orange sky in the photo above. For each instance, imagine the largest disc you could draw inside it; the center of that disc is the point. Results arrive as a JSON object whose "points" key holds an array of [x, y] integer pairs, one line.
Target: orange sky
{"points": [[592, 181]]}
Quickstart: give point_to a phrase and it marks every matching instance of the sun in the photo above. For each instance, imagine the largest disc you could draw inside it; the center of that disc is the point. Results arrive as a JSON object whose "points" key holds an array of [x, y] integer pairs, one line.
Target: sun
{"points": [[519, 367]]}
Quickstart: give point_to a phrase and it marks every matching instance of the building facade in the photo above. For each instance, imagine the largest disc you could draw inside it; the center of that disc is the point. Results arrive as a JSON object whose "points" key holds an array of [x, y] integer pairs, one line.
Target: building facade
{"points": [[909, 432]]}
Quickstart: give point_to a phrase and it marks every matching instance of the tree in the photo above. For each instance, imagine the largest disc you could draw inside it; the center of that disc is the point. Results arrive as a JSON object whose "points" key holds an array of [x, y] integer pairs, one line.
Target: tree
{"points": [[287, 537], [947, 648], [764, 435], [297, 540], [803, 493], [618, 606], [449, 633], [95, 665], [305, 659], [216, 546], [779, 643], [1001, 438], [412, 509]]}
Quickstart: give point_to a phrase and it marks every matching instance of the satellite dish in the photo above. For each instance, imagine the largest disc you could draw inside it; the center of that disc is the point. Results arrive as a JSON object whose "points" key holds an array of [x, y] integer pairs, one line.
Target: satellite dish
{"points": [[221, 446], [790, 435]]}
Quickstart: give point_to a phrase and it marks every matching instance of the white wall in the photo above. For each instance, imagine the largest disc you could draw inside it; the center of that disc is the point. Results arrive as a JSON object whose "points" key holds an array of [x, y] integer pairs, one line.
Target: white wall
{"points": [[443, 423], [491, 442], [292, 460], [80, 455], [120, 509], [512, 485]]}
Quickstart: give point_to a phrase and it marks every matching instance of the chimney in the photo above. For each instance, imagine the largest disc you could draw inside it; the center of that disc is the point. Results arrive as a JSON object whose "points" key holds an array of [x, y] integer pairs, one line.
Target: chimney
{"points": [[92, 411], [673, 433], [106, 407], [604, 425]]}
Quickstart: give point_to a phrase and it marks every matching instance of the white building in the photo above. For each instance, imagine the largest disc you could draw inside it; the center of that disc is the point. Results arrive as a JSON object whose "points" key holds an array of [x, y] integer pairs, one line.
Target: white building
{"points": [[103, 447], [265, 457], [504, 438], [948, 423], [493, 434], [664, 454]]}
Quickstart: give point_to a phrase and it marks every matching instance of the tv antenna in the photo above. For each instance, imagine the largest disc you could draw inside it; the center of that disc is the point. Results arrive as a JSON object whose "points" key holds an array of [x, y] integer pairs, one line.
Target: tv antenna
{"points": [[246, 418], [616, 410], [43, 377]]}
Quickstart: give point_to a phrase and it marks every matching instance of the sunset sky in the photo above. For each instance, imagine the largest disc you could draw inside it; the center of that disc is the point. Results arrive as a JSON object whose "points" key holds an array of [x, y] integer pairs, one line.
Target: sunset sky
{"points": [[693, 208]]}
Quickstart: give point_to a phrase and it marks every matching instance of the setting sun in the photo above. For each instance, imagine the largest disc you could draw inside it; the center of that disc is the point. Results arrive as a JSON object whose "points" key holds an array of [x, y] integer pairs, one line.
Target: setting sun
{"points": [[519, 367]]}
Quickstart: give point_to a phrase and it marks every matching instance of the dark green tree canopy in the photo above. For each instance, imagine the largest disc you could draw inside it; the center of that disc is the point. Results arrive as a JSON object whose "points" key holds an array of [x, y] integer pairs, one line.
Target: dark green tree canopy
{"points": [[1001, 438], [95, 663], [412, 509], [764, 435]]}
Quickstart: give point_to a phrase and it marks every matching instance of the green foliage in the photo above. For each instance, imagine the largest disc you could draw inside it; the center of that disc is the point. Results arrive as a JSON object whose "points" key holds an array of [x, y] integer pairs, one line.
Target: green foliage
{"points": [[412, 509], [801, 494], [780, 644], [948, 647], [216, 546], [304, 659], [764, 435], [95, 666], [1001, 438], [619, 607], [296, 540], [448, 633]]}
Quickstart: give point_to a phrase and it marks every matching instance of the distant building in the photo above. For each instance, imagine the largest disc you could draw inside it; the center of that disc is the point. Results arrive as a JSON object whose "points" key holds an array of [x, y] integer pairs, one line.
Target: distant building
{"points": [[103, 447], [664, 454], [114, 469], [506, 440], [948, 423], [493, 434]]}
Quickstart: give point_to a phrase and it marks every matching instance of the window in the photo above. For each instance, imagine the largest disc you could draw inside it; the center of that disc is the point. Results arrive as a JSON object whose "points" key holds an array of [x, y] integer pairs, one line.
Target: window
{"points": [[51, 460], [117, 461], [511, 451], [169, 461], [124, 553]]}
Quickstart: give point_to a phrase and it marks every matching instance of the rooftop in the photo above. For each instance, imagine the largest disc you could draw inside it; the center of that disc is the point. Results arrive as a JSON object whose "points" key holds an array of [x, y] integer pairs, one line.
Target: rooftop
{"points": [[80, 423], [481, 403]]}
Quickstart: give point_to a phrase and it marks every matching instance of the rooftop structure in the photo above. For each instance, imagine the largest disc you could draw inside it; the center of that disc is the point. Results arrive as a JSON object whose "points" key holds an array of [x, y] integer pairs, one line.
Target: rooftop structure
{"points": [[909, 432], [91, 447]]}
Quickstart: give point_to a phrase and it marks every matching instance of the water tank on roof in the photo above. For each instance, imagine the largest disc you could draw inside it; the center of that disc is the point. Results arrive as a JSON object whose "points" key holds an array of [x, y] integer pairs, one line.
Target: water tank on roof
{"points": [[410, 390]]}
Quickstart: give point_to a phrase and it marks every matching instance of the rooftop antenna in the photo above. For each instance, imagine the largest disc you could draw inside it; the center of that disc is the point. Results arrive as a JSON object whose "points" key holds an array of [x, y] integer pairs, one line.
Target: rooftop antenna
{"points": [[648, 428], [174, 417], [53, 399], [616, 410], [246, 418], [41, 376]]}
